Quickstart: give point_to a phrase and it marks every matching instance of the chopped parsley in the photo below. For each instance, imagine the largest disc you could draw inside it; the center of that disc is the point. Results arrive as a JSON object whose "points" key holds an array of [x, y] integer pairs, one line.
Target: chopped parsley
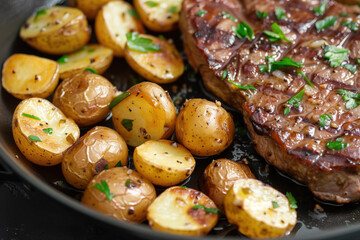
{"points": [[280, 13], [172, 9], [127, 124], [90, 70], [272, 65], [261, 15], [243, 30], [140, 44], [325, 120], [305, 78], [326, 23], [48, 131], [184, 187], [294, 101], [207, 210], [335, 55], [344, 15], [118, 99], [38, 13], [276, 33], [275, 204], [292, 200], [133, 13], [352, 68], [224, 74], [90, 50], [106, 167], [35, 138], [63, 59], [104, 187], [30, 116], [247, 87], [337, 145], [118, 164], [229, 16], [128, 183], [151, 3], [357, 61], [352, 25], [201, 13], [320, 10], [352, 99]]}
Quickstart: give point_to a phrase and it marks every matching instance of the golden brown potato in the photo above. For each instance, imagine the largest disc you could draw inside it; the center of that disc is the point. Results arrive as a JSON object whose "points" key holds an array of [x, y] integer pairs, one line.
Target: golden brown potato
{"points": [[42, 132], [113, 21], [121, 193], [204, 127], [56, 30], [258, 210], [165, 163], [147, 113], [92, 56], [85, 98], [183, 211], [25, 76], [158, 62], [219, 176], [100, 148], [159, 15], [89, 7]]}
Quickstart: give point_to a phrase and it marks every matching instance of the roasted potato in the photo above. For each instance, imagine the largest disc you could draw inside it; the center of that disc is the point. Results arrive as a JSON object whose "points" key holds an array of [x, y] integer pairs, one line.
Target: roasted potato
{"points": [[349, 2], [147, 113], [157, 61], [204, 127], [25, 76], [89, 7], [42, 132], [113, 21], [165, 163], [100, 148], [159, 15], [56, 30], [258, 210], [219, 176], [121, 193], [92, 56], [85, 98], [183, 211]]}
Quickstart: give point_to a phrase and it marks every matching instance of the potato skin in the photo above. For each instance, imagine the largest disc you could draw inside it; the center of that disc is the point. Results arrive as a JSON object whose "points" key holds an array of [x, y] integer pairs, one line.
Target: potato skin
{"points": [[89, 155], [204, 127], [89, 7], [130, 202], [67, 38], [219, 176], [85, 98]]}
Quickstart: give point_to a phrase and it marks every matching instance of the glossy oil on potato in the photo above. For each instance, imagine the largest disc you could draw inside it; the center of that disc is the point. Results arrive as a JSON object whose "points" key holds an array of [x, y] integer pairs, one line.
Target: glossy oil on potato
{"points": [[25, 76], [149, 113], [162, 66], [173, 212], [165, 163], [98, 149], [52, 129], [112, 22], [58, 30], [85, 98], [204, 127], [258, 210], [219, 176], [92, 56], [132, 194]]}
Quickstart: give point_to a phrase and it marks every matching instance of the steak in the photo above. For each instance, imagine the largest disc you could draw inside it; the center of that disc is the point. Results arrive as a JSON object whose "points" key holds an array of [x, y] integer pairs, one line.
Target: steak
{"points": [[287, 134]]}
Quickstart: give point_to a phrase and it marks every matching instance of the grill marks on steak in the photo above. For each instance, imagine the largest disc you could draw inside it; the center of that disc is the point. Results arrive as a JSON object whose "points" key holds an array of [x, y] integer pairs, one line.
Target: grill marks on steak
{"points": [[294, 143]]}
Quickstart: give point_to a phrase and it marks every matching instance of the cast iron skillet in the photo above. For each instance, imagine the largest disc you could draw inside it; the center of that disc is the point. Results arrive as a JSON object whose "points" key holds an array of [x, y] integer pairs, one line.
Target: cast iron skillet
{"points": [[335, 222]]}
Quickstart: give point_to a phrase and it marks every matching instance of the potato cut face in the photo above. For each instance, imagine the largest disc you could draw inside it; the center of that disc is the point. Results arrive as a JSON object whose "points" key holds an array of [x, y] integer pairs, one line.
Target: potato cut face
{"points": [[173, 212], [27, 75], [49, 20], [64, 130], [91, 56]]}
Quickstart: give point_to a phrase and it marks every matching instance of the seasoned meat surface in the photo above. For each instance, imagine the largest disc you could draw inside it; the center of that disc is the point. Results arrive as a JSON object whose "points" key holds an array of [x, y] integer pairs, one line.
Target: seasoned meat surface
{"points": [[287, 134]]}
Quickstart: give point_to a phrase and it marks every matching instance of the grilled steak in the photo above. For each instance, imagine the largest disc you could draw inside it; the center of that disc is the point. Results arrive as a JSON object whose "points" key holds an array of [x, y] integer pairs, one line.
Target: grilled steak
{"points": [[316, 137]]}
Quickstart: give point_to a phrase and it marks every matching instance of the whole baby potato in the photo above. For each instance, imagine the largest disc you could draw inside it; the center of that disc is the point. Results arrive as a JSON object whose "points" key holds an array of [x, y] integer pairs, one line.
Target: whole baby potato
{"points": [[219, 176], [121, 193], [85, 98], [99, 149], [204, 127]]}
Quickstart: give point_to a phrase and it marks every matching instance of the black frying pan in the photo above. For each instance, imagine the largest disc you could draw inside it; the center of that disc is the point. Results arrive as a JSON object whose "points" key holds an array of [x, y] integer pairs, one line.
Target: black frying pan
{"points": [[336, 222]]}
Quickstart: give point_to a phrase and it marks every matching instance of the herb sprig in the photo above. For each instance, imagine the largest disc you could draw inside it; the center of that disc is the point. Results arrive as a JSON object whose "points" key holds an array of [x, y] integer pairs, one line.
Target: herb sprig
{"points": [[246, 87], [320, 10], [118, 99], [294, 101], [276, 34], [292, 200], [335, 55], [104, 187], [127, 124], [207, 210], [272, 65], [325, 120], [352, 99], [140, 44], [326, 23], [280, 13], [243, 30], [337, 144]]}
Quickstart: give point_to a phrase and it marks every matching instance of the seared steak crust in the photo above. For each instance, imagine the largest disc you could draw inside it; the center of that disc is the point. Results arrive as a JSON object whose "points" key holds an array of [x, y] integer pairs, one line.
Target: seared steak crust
{"points": [[295, 143]]}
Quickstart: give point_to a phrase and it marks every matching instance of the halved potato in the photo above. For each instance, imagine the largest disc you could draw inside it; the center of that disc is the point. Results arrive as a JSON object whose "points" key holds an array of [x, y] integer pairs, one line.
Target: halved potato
{"points": [[89, 7], [258, 210], [159, 15], [165, 163], [147, 113], [42, 132], [56, 30], [113, 21], [92, 56], [26, 76], [183, 211], [163, 64]]}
